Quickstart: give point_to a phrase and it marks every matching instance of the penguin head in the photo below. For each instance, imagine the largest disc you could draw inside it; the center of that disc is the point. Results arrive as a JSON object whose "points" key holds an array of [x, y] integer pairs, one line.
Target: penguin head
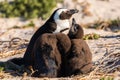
{"points": [[61, 17], [76, 31], [64, 14]]}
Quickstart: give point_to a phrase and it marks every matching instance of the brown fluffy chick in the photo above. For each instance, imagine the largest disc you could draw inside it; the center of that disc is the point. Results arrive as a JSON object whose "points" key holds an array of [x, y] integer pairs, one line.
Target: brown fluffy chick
{"points": [[47, 55], [79, 60], [76, 31]]}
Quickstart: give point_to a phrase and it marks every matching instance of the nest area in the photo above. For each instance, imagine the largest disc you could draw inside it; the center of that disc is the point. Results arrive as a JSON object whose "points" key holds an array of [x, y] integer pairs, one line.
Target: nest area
{"points": [[108, 63]]}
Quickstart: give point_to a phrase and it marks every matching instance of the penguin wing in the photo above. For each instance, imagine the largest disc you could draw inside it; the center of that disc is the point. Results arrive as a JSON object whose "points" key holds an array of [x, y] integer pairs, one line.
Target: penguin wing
{"points": [[50, 27]]}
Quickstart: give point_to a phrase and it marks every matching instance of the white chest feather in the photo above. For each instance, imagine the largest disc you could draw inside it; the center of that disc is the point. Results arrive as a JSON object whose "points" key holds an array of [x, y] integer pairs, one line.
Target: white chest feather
{"points": [[62, 24]]}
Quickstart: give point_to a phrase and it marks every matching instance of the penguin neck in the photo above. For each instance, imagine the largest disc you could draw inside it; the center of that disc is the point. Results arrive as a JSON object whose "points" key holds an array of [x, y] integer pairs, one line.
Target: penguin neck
{"points": [[62, 24]]}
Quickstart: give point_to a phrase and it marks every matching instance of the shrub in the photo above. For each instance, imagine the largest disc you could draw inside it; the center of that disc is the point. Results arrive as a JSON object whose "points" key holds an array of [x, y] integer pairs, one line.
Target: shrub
{"points": [[107, 78], [27, 8]]}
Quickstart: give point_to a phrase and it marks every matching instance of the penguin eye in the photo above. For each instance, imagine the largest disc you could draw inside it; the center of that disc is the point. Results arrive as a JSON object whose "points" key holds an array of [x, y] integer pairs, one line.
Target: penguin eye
{"points": [[67, 12], [76, 28], [62, 15], [62, 12]]}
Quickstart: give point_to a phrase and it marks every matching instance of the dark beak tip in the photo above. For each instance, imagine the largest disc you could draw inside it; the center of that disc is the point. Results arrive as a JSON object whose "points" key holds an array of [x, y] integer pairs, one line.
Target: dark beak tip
{"points": [[76, 11], [73, 19], [73, 11]]}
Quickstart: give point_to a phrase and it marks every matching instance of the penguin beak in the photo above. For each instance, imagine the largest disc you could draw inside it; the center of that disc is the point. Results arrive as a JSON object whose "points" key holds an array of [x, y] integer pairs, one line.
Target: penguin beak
{"points": [[72, 11], [73, 29], [73, 21], [67, 14]]}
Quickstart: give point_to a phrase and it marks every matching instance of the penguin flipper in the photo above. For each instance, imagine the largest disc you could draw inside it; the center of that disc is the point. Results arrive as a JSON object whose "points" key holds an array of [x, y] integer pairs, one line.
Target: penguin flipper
{"points": [[17, 61]]}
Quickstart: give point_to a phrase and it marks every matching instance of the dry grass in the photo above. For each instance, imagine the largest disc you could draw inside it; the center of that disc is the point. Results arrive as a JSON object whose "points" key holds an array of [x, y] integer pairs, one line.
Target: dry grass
{"points": [[14, 47], [109, 25], [97, 74]]}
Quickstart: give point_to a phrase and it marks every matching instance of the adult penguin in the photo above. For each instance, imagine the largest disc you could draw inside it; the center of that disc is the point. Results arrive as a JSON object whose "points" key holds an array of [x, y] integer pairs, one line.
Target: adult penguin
{"points": [[79, 60], [58, 22]]}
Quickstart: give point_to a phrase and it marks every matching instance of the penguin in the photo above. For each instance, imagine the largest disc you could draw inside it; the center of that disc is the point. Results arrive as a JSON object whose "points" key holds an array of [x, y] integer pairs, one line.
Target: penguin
{"points": [[46, 55], [79, 59], [58, 22], [76, 31]]}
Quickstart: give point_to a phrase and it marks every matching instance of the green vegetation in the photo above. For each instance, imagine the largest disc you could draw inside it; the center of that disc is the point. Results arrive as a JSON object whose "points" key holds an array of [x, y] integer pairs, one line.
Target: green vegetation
{"points": [[91, 36], [1, 69], [115, 22], [30, 24], [107, 78], [27, 8]]}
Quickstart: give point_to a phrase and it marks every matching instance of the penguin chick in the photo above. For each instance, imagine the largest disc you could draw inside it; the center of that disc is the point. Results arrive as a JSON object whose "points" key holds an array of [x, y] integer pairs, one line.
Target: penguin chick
{"points": [[64, 45], [46, 55], [58, 21], [79, 60], [76, 31]]}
